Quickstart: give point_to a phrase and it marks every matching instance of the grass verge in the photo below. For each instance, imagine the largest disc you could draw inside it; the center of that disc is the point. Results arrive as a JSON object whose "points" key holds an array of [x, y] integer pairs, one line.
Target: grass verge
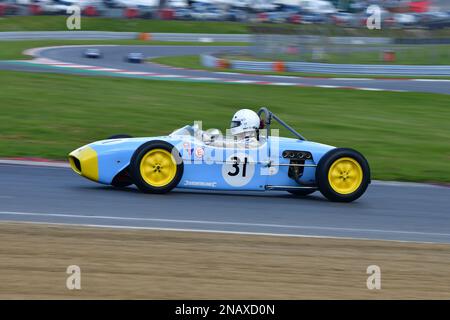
{"points": [[58, 23], [404, 135]]}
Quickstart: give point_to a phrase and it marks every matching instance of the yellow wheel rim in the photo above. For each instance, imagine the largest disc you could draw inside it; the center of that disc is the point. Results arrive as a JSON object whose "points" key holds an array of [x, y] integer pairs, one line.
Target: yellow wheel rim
{"points": [[158, 167], [345, 175]]}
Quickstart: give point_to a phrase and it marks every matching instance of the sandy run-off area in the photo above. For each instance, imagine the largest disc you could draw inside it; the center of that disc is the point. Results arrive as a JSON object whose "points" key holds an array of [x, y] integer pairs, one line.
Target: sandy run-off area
{"points": [[147, 264]]}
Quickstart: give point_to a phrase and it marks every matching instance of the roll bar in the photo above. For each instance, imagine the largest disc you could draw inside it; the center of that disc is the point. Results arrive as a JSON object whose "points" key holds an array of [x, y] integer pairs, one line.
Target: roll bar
{"points": [[268, 116]]}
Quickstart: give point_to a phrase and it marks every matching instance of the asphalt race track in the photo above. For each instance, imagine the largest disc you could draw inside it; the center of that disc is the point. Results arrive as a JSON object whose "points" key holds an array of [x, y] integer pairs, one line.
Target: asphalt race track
{"points": [[388, 211], [114, 59]]}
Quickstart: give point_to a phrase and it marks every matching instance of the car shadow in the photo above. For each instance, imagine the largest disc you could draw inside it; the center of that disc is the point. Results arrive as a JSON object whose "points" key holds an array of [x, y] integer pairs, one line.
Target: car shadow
{"points": [[316, 197]]}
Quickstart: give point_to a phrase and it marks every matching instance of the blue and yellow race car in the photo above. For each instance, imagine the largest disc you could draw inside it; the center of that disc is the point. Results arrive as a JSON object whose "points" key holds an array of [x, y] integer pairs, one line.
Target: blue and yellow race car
{"points": [[192, 158]]}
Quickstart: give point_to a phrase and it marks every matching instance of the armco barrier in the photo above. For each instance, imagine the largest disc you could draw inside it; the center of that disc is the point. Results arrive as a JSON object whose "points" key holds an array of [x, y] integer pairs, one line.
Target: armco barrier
{"points": [[105, 35], [67, 35], [326, 68], [208, 61], [201, 37], [367, 69], [194, 37], [36, 9]]}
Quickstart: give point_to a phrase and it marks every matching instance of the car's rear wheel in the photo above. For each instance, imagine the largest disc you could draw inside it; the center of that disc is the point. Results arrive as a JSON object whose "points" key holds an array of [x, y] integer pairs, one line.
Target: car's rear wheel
{"points": [[343, 175], [156, 167]]}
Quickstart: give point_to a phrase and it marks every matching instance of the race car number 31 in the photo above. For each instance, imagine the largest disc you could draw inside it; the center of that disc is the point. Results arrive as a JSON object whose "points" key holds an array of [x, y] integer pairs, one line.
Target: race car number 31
{"points": [[238, 170]]}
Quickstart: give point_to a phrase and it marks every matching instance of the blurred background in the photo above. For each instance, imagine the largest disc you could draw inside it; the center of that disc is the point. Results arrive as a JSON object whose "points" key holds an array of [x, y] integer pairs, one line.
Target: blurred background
{"points": [[413, 31], [426, 14], [344, 13]]}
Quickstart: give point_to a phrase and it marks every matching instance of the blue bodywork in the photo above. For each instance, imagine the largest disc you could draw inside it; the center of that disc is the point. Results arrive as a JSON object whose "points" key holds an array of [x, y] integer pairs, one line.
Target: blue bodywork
{"points": [[205, 167]]}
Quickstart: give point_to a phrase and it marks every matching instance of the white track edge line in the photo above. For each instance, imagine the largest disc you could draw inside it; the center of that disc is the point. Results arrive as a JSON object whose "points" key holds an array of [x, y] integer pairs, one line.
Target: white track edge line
{"points": [[225, 223], [216, 231]]}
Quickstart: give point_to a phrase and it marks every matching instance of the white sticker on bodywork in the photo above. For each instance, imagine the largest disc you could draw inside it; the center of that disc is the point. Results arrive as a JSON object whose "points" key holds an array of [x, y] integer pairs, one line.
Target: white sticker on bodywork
{"points": [[238, 170]]}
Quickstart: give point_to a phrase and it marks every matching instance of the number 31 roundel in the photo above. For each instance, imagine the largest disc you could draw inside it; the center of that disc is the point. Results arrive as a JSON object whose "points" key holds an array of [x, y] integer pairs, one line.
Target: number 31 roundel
{"points": [[238, 170]]}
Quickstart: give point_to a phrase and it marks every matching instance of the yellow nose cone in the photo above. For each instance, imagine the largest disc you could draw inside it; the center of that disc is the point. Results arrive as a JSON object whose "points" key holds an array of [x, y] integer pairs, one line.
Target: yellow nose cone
{"points": [[84, 161]]}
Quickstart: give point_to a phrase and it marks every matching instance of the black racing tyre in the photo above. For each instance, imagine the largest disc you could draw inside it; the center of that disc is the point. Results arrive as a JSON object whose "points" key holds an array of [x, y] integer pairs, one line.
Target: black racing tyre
{"points": [[156, 167], [343, 175], [302, 193], [119, 136]]}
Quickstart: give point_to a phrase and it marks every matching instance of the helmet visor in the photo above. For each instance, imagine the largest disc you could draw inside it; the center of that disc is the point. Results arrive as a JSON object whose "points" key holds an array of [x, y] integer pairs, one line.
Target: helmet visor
{"points": [[235, 124]]}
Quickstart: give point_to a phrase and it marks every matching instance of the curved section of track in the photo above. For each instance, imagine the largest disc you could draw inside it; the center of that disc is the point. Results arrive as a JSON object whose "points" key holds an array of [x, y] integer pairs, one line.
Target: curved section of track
{"points": [[70, 59], [404, 212]]}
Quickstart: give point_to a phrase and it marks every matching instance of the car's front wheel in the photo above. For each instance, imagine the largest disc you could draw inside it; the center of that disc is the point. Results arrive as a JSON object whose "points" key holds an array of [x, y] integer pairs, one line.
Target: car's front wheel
{"points": [[156, 167], [343, 175]]}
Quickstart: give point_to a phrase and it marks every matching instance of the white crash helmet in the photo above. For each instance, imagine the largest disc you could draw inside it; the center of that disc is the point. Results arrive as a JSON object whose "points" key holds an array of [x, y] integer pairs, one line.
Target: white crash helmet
{"points": [[244, 121]]}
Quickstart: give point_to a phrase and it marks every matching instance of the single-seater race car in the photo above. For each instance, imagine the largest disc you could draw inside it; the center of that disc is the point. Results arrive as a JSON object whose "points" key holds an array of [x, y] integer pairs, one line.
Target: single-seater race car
{"points": [[192, 158], [134, 57], [92, 53]]}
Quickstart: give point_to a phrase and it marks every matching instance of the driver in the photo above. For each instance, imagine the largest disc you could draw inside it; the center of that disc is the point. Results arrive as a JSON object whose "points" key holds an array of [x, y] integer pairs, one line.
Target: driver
{"points": [[244, 131], [244, 126]]}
